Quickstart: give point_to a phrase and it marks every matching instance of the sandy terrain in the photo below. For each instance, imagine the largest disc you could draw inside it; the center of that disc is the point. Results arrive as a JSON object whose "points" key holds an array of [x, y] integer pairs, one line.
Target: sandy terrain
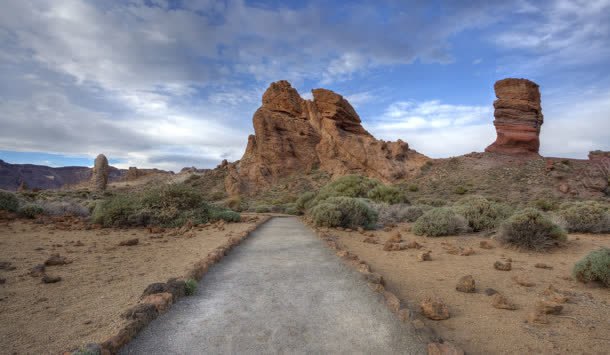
{"points": [[103, 280], [583, 327]]}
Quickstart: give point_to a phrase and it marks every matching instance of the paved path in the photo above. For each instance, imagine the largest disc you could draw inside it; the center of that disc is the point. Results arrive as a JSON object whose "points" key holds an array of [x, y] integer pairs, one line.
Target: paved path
{"points": [[280, 291]]}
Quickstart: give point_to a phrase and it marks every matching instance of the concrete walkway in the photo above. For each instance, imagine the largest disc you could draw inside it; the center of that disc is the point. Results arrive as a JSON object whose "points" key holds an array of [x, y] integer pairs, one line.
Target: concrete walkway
{"points": [[281, 291]]}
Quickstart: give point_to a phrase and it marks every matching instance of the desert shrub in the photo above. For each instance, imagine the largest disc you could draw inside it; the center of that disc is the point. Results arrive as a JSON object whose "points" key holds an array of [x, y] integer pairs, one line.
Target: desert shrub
{"points": [[67, 207], [439, 222], [115, 211], [594, 267], [481, 213], [345, 212], [304, 202], [413, 188], [545, 205], [225, 215], [30, 210], [235, 203], [8, 201], [346, 186], [588, 216], [531, 229], [390, 214], [292, 209], [387, 194], [190, 287], [262, 209], [460, 190], [434, 202]]}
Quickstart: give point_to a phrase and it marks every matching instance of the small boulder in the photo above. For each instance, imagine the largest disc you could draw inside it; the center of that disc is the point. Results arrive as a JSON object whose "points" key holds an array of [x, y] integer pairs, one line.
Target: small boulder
{"points": [[130, 242], [372, 239], [490, 291], [56, 259], [413, 245], [501, 302], [434, 309], [143, 311], [466, 251], [391, 301], [466, 284], [424, 256], [47, 279], [38, 270], [498, 265], [161, 301], [543, 266], [484, 244], [523, 281], [538, 318], [548, 307]]}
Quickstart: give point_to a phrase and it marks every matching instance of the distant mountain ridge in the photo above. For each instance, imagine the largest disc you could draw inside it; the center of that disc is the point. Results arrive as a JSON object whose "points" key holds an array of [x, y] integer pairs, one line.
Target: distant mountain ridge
{"points": [[46, 177]]}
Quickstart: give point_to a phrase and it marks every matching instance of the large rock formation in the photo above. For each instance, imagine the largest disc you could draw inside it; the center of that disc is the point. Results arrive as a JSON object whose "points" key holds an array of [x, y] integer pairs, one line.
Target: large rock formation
{"points": [[99, 176], [518, 117], [296, 136]]}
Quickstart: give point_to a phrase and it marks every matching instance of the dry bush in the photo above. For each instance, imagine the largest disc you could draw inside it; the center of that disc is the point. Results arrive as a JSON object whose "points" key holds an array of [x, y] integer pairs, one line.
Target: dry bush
{"points": [[30, 210], [439, 222], [531, 229], [64, 208], [386, 194], [586, 216], [345, 212], [391, 214], [481, 213], [594, 267]]}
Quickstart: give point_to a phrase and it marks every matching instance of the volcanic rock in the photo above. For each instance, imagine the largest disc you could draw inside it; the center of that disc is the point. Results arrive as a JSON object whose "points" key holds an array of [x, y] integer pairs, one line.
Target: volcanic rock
{"points": [[466, 284], [293, 135], [501, 302], [518, 117], [434, 309]]}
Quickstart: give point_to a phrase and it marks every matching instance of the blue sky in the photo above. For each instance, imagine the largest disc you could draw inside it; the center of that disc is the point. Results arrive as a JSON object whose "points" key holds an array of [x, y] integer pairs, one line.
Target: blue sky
{"points": [[170, 84]]}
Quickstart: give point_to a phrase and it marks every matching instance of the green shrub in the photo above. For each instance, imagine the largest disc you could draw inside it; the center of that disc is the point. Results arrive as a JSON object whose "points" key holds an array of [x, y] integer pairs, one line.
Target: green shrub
{"points": [[545, 205], [391, 214], [292, 210], [413, 188], [262, 209], [169, 201], [588, 216], [482, 214], [347, 186], [8, 201], [345, 212], [190, 287], [304, 202], [439, 222], [67, 207], [434, 202], [460, 190], [594, 267], [387, 194], [226, 215], [531, 229], [30, 211]]}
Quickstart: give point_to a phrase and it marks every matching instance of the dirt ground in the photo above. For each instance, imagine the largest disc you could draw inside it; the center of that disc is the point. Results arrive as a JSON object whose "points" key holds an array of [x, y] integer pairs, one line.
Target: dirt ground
{"points": [[583, 327], [101, 282]]}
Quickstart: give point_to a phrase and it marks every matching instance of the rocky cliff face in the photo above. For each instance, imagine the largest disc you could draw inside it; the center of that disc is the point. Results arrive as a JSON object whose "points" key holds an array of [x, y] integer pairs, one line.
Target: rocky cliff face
{"points": [[518, 117], [296, 136]]}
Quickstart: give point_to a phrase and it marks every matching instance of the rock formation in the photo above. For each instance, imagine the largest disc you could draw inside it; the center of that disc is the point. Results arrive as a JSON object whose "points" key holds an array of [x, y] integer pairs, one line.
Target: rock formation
{"points": [[518, 117], [296, 136], [99, 176]]}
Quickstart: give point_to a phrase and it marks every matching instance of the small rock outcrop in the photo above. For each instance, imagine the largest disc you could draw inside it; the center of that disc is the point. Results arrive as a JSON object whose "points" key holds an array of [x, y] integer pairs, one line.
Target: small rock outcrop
{"points": [[296, 136], [99, 176], [518, 117]]}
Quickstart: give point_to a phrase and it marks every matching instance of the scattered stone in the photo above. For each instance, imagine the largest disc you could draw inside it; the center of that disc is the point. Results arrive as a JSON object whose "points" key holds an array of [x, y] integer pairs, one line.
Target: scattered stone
{"points": [[391, 301], [484, 244], [501, 302], [413, 245], [38, 270], [424, 256], [466, 284], [393, 243], [498, 265], [434, 309], [372, 239], [56, 259], [490, 291], [130, 242], [564, 188], [543, 266], [156, 230], [444, 348], [7, 265], [161, 301], [554, 295], [404, 314], [548, 307], [523, 281], [50, 279], [374, 278], [142, 311], [360, 230], [466, 251], [537, 317]]}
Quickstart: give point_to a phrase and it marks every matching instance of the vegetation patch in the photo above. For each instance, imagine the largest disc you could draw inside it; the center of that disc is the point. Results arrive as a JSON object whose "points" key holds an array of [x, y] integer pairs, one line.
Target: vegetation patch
{"points": [[531, 229], [440, 222], [481, 213], [347, 212], [386, 194], [586, 216], [8, 201], [594, 267], [392, 214], [30, 210], [190, 287]]}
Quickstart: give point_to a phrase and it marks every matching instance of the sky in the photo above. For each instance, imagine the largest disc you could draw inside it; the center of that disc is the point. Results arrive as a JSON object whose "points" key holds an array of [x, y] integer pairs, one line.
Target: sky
{"points": [[171, 84]]}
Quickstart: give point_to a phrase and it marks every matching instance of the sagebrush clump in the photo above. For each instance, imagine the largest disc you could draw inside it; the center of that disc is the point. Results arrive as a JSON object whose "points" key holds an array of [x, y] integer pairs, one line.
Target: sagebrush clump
{"points": [[30, 210], [594, 267], [347, 212], [304, 201], [586, 216], [386, 194], [531, 229], [481, 213], [440, 222], [346, 186], [391, 214], [8, 201]]}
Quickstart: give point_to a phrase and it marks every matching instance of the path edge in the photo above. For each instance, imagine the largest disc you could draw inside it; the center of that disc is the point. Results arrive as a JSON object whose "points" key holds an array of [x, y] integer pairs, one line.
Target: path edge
{"points": [[158, 298], [436, 344]]}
